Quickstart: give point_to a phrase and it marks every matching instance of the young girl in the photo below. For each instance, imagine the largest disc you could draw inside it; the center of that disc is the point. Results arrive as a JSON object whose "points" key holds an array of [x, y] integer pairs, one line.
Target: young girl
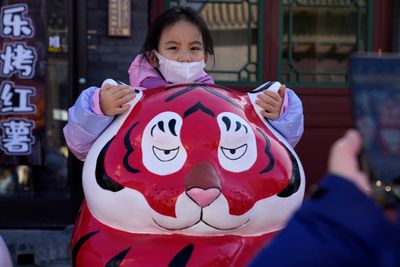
{"points": [[168, 56]]}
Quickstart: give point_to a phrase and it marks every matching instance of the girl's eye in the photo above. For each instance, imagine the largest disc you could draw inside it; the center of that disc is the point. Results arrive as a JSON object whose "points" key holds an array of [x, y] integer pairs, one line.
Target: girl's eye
{"points": [[174, 48], [196, 48]]}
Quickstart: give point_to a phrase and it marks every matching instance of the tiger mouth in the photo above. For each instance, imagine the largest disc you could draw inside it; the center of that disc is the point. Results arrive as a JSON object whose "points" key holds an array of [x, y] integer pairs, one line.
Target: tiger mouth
{"points": [[199, 221]]}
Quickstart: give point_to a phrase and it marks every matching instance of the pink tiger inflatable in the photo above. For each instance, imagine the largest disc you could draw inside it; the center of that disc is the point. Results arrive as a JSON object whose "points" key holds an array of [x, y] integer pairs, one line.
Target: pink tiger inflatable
{"points": [[192, 175]]}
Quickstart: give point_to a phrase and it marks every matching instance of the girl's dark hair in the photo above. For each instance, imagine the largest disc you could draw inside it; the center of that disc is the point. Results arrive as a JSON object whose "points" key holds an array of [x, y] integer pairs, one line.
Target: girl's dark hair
{"points": [[171, 16]]}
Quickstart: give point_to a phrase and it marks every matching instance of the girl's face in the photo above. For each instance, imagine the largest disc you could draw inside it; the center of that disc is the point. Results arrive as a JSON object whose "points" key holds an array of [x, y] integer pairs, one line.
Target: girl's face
{"points": [[181, 41]]}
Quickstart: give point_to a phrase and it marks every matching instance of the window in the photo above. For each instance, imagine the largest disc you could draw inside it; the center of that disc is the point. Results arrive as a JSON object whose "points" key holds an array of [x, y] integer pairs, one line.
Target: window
{"points": [[318, 36], [315, 39]]}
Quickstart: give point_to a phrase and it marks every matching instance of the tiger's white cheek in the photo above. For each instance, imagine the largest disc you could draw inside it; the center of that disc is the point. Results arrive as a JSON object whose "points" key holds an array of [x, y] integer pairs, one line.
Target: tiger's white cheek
{"points": [[163, 152], [237, 150]]}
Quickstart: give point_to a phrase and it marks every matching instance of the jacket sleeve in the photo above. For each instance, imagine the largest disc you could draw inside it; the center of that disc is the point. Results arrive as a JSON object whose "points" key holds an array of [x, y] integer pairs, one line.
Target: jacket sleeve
{"points": [[5, 258], [291, 123], [338, 226], [84, 126]]}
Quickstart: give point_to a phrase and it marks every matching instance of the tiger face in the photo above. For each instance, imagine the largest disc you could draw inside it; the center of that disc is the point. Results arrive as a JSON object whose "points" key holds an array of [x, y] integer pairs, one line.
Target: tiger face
{"points": [[195, 160]]}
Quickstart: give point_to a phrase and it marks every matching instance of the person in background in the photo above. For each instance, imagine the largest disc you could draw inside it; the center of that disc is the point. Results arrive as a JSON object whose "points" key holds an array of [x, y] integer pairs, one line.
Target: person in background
{"points": [[176, 49], [340, 225], [6, 181]]}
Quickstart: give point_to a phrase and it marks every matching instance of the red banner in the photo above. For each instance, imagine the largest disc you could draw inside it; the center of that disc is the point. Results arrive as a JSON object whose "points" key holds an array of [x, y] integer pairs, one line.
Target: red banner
{"points": [[23, 71]]}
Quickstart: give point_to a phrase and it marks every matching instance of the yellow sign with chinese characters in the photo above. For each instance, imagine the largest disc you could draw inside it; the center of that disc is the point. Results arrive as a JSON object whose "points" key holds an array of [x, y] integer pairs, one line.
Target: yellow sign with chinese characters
{"points": [[119, 18]]}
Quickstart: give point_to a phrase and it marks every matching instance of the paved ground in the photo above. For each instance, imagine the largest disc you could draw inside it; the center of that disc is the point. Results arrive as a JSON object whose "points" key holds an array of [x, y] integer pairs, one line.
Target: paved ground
{"points": [[38, 248]]}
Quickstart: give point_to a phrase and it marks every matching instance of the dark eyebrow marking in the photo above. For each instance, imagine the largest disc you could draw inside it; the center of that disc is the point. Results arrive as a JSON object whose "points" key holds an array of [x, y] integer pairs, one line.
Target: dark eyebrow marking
{"points": [[227, 122], [171, 126], [245, 127], [152, 129], [196, 107], [160, 125], [204, 87], [238, 125]]}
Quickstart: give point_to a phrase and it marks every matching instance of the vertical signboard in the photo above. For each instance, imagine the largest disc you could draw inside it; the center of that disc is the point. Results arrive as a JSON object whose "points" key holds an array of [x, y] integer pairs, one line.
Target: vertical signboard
{"points": [[119, 18], [23, 68]]}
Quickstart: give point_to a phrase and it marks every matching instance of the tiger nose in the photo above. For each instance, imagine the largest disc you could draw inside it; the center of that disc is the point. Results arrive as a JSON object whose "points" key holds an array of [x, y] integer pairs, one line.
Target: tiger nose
{"points": [[203, 197], [203, 185]]}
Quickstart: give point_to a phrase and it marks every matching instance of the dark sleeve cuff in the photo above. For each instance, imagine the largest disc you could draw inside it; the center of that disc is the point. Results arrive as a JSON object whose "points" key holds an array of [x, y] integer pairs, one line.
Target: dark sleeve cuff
{"points": [[341, 202]]}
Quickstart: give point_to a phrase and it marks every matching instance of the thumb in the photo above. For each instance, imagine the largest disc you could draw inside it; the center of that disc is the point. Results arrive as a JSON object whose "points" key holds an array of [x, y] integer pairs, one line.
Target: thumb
{"points": [[106, 86], [282, 91], [343, 160]]}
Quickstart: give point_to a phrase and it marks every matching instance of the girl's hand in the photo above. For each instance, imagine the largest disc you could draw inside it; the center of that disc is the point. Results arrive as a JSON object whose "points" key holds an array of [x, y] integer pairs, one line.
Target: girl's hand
{"points": [[271, 102], [114, 99]]}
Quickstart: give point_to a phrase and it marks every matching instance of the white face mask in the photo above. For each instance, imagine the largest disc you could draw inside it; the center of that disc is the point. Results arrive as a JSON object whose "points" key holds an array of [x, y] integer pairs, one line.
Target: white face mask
{"points": [[180, 72]]}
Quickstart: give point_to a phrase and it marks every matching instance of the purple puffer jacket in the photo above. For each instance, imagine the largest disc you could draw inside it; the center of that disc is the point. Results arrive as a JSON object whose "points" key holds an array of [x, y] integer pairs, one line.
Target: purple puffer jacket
{"points": [[86, 121]]}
